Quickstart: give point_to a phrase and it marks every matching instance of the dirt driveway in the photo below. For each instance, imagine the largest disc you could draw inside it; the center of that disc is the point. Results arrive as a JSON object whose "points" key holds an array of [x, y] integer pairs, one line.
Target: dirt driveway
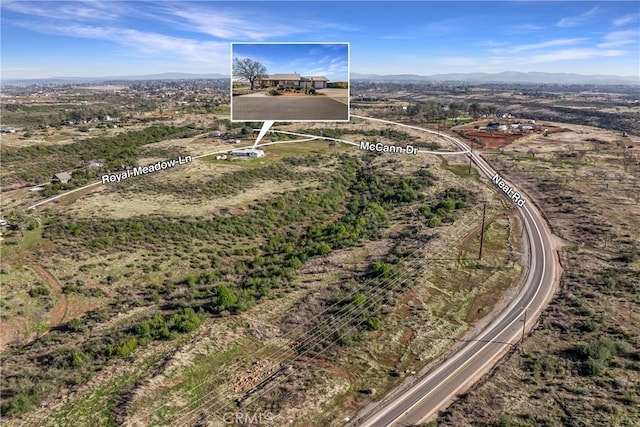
{"points": [[261, 108], [60, 309]]}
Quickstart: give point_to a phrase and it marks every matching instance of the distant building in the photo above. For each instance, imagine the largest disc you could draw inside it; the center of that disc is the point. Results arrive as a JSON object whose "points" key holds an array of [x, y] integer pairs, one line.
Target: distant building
{"points": [[492, 126], [95, 165], [520, 126], [248, 152], [61, 178]]}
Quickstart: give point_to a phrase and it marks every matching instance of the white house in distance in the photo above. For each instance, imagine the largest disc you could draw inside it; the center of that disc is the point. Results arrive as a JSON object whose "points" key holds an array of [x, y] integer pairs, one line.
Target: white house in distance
{"points": [[61, 178], [293, 81], [248, 152]]}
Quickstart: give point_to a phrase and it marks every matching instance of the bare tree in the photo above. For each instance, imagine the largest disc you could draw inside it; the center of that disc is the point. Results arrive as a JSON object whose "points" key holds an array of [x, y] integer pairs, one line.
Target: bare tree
{"points": [[249, 70]]}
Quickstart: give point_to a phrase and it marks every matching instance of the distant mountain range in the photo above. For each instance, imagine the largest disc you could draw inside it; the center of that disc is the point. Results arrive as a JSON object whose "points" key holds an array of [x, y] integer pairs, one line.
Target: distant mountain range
{"points": [[505, 77], [93, 80]]}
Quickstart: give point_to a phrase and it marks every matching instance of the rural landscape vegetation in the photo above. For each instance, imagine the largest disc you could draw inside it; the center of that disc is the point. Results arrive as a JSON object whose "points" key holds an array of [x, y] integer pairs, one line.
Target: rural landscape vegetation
{"points": [[308, 283]]}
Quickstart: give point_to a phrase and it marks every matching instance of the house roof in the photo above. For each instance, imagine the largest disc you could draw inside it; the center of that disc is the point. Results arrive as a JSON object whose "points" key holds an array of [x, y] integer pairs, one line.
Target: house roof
{"points": [[62, 176], [284, 77], [319, 79]]}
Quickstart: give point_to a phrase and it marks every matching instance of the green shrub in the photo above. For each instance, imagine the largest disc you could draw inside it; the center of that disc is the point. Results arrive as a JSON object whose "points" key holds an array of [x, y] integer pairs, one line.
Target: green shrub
{"points": [[592, 367], [78, 358], [155, 328], [126, 348], [434, 222], [374, 323], [382, 270], [425, 210], [224, 299], [75, 325], [186, 321], [597, 354], [39, 290], [630, 398], [20, 403]]}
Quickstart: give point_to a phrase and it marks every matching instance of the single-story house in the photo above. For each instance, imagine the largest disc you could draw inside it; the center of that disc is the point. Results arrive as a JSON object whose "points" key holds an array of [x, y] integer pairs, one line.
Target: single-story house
{"points": [[248, 152], [520, 126], [318, 82], [61, 178], [295, 80]]}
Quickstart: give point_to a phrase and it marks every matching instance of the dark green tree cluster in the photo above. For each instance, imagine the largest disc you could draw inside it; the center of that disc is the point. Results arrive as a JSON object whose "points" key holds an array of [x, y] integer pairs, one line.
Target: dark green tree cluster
{"points": [[596, 355], [441, 210], [115, 151], [68, 366]]}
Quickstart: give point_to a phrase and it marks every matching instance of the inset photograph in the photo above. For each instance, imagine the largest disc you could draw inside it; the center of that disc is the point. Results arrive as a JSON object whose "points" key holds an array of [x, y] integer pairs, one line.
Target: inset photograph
{"points": [[290, 82]]}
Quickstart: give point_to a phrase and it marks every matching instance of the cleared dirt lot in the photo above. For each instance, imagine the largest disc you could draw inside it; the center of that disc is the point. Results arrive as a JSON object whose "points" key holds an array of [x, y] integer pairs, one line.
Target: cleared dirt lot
{"points": [[288, 108]]}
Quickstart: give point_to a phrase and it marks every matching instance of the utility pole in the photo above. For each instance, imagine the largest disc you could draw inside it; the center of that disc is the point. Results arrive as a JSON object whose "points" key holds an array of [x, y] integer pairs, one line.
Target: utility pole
{"points": [[524, 323], [484, 211], [469, 172]]}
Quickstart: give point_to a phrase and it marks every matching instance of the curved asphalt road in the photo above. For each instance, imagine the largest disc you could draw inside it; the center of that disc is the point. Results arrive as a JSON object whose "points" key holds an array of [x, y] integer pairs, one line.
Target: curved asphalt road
{"points": [[457, 372]]}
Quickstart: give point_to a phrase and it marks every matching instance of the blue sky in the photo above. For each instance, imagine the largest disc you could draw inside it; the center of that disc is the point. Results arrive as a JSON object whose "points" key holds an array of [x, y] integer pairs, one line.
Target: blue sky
{"points": [[328, 60], [103, 38]]}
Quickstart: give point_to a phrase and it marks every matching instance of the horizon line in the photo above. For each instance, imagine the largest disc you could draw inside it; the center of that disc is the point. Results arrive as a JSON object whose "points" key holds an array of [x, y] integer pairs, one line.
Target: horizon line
{"points": [[356, 72]]}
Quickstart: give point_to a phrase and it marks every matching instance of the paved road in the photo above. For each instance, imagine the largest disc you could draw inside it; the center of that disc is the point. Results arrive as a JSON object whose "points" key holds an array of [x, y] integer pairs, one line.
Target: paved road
{"points": [[287, 108], [438, 387]]}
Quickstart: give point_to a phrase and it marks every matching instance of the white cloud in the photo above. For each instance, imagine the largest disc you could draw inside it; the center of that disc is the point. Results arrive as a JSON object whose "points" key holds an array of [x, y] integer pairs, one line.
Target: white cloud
{"points": [[76, 11], [223, 22], [231, 26], [145, 43], [571, 54], [529, 27], [624, 20], [543, 45], [536, 46], [576, 20], [621, 38], [236, 24]]}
